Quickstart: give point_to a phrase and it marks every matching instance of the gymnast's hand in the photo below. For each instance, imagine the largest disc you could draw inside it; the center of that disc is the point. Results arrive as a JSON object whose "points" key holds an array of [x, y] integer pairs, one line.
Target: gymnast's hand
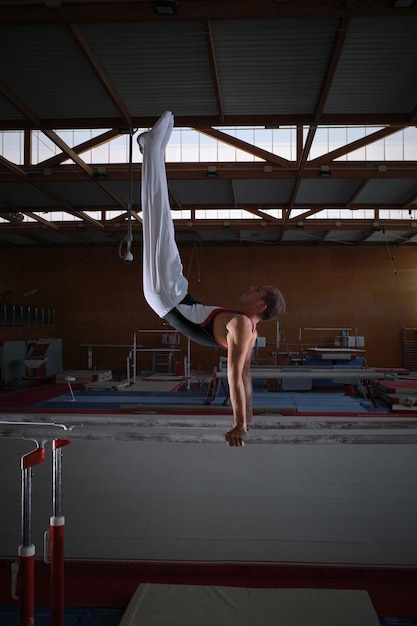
{"points": [[236, 436]]}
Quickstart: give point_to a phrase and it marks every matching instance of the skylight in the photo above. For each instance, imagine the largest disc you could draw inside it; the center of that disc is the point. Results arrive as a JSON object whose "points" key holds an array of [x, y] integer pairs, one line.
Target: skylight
{"points": [[188, 145]]}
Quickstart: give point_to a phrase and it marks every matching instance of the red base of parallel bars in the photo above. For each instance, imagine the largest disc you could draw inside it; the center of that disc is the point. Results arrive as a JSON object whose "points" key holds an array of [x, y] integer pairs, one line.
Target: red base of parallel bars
{"points": [[56, 531], [25, 585]]}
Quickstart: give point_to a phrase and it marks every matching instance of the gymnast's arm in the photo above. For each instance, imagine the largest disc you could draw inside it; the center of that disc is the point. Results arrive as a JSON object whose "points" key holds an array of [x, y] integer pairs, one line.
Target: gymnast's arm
{"points": [[240, 342]]}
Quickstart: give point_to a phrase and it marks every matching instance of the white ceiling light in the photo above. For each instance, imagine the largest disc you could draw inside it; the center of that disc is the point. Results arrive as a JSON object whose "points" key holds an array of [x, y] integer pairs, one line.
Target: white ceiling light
{"points": [[402, 4], [165, 7]]}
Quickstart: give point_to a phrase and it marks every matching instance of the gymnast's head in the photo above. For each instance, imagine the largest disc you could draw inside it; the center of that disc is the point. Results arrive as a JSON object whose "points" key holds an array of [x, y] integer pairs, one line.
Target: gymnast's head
{"points": [[267, 301], [275, 304]]}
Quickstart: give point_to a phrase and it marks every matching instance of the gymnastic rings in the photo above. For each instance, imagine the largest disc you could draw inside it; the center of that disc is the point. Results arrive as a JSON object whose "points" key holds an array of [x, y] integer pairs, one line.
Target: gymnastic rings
{"points": [[124, 252]]}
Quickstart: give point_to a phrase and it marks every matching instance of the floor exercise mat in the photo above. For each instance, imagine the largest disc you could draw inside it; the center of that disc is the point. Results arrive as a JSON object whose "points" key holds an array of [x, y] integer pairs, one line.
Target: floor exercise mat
{"points": [[177, 605]]}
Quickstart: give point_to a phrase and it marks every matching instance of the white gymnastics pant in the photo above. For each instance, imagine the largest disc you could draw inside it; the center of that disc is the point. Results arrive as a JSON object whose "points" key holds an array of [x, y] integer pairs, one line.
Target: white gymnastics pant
{"points": [[164, 285]]}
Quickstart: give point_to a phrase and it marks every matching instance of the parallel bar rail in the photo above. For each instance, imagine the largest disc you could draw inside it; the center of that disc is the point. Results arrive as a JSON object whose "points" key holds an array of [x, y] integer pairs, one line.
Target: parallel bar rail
{"points": [[268, 429]]}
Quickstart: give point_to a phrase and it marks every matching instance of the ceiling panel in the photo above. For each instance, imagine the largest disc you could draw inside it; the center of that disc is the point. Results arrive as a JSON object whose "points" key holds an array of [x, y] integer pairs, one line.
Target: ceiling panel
{"points": [[343, 237], [328, 190], [82, 193], [266, 67], [376, 71], [301, 235], [45, 68], [139, 57], [263, 191], [209, 192], [24, 195], [392, 190]]}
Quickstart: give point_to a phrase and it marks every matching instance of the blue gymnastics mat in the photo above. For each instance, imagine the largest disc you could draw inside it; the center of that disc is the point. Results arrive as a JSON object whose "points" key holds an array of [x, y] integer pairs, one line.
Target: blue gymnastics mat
{"points": [[9, 616], [304, 402]]}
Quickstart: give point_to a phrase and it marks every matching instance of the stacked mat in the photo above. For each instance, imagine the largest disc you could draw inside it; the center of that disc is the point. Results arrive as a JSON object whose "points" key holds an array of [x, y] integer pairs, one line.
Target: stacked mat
{"points": [[400, 394]]}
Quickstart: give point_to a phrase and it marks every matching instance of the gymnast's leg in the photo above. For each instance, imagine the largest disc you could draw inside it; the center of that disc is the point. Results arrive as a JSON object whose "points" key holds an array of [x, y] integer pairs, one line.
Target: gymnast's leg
{"points": [[164, 285]]}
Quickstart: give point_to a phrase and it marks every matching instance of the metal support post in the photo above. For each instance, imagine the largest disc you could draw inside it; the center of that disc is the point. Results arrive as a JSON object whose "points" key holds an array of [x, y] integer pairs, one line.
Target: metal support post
{"points": [[23, 571], [54, 537]]}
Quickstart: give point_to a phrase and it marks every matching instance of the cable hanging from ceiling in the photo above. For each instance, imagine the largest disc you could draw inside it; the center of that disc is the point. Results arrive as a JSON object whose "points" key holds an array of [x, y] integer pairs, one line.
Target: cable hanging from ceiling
{"points": [[125, 252]]}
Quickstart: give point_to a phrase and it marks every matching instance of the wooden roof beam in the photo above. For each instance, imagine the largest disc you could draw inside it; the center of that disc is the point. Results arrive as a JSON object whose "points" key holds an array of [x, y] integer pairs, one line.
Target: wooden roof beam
{"points": [[100, 73], [41, 220], [243, 145], [88, 218], [214, 73], [324, 92], [16, 169], [82, 147], [20, 106], [355, 145]]}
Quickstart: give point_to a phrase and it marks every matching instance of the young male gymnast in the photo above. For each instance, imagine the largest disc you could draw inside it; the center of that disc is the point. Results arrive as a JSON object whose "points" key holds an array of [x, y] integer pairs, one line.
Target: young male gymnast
{"points": [[166, 289]]}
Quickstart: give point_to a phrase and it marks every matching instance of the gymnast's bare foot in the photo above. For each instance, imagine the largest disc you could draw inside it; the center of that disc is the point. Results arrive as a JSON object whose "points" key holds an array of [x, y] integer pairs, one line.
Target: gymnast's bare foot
{"points": [[141, 140], [159, 133]]}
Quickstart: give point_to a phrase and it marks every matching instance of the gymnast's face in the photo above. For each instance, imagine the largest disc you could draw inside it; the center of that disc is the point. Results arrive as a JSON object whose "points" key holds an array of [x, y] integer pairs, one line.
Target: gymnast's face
{"points": [[253, 299], [253, 294]]}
